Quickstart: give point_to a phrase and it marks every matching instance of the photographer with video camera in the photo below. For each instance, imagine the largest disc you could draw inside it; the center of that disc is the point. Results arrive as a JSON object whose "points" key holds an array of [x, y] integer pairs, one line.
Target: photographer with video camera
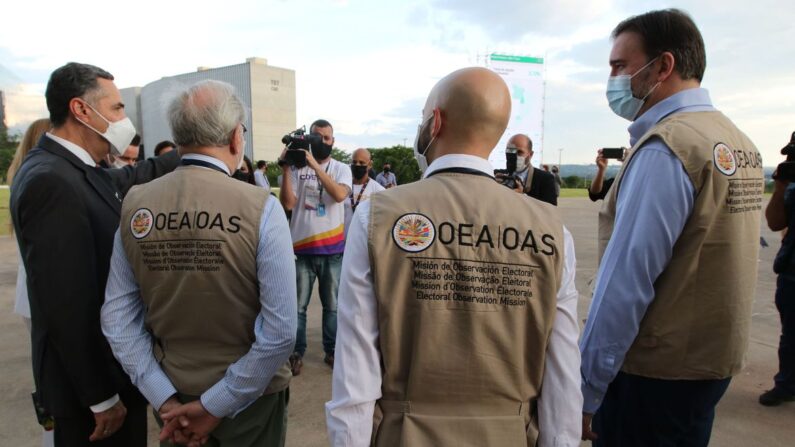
{"points": [[780, 214], [314, 187], [521, 176]]}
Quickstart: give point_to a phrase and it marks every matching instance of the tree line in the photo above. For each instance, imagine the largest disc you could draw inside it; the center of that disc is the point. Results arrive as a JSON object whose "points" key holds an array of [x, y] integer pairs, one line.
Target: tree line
{"points": [[8, 146]]}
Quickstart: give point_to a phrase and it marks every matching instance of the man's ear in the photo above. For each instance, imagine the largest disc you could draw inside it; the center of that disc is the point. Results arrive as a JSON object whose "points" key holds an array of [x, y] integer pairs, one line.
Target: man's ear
{"points": [[436, 129], [667, 66], [79, 110], [238, 140]]}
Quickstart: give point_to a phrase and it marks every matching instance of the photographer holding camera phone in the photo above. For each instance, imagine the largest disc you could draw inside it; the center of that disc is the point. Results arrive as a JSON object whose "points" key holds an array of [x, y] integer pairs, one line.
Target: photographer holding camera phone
{"points": [[314, 187], [600, 186], [520, 174], [780, 214]]}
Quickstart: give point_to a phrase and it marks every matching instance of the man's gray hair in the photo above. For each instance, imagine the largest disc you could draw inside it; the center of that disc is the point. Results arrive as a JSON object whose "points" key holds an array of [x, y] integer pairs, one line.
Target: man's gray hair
{"points": [[206, 114]]}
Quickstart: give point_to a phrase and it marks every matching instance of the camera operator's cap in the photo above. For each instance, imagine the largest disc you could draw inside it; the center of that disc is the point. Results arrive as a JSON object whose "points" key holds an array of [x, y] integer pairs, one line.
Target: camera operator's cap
{"points": [[790, 147]]}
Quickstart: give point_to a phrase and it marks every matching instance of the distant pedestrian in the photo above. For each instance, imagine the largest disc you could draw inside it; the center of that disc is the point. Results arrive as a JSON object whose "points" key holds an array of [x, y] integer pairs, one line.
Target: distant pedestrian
{"points": [[386, 177], [260, 176]]}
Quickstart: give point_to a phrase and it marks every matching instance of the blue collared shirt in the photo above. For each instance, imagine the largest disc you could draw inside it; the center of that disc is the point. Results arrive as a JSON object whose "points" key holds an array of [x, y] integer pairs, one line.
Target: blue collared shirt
{"points": [[274, 328], [654, 202], [386, 178]]}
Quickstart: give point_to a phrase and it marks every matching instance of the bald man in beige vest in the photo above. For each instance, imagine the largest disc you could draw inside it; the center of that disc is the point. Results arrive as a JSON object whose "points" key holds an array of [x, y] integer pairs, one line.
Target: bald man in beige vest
{"points": [[457, 299]]}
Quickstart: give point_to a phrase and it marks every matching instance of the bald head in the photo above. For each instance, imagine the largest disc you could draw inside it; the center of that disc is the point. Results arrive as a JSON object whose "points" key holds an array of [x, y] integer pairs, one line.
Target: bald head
{"points": [[471, 108], [523, 145], [361, 155], [361, 162]]}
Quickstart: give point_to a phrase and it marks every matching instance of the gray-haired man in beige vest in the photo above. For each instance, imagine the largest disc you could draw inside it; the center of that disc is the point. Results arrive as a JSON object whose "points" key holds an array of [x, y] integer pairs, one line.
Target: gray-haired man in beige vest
{"points": [[457, 311], [200, 307], [679, 236]]}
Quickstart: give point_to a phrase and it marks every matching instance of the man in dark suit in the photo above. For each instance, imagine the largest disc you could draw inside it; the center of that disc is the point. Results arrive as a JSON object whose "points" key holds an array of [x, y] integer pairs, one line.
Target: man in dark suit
{"points": [[536, 183], [65, 211]]}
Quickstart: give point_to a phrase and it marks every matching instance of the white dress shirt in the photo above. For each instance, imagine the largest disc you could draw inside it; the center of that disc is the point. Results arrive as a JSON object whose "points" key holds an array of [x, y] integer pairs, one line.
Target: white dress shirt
{"points": [[356, 384], [78, 151]]}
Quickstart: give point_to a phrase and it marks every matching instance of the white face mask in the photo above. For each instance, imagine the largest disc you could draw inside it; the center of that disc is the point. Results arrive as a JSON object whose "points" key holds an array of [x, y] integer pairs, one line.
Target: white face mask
{"points": [[521, 164], [119, 133], [620, 97], [422, 160], [117, 163]]}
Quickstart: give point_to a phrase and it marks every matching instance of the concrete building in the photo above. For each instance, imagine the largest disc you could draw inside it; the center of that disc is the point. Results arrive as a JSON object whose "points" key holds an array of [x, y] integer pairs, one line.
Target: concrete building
{"points": [[131, 97], [268, 93]]}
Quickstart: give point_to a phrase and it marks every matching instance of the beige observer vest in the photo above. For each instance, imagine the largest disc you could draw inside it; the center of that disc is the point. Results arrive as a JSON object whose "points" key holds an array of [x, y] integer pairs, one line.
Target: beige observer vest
{"points": [[466, 274], [191, 238], [697, 326]]}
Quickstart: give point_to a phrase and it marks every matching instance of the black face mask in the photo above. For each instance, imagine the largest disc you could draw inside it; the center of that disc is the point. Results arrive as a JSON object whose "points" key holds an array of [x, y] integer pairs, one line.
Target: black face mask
{"points": [[240, 175], [321, 151], [358, 171]]}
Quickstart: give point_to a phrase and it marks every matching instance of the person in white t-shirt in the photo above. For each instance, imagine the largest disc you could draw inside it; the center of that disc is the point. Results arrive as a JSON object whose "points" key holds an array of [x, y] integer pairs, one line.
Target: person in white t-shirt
{"points": [[363, 185], [315, 194]]}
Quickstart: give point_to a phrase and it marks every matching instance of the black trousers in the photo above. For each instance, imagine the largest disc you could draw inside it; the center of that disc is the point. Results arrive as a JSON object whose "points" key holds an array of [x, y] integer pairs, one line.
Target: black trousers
{"points": [[640, 411], [785, 303], [74, 431]]}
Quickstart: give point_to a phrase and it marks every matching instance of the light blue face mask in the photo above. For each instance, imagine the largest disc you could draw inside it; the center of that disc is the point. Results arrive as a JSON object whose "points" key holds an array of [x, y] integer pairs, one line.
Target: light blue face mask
{"points": [[620, 97]]}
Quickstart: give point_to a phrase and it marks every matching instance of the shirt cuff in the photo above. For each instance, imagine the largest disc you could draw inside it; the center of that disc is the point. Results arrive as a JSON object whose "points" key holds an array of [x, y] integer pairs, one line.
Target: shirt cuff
{"points": [[104, 406], [220, 402], [157, 389], [591, 399]]}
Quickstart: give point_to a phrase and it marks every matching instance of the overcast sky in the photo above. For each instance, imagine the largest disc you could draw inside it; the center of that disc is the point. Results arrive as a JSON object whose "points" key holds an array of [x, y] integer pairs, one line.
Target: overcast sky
{"points": [[367, 65]]}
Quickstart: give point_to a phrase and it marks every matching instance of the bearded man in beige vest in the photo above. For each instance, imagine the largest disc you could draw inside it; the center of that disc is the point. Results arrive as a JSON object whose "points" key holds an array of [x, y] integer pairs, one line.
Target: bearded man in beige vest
{"points": [[200, 308], [457, 312], [679, 237]]}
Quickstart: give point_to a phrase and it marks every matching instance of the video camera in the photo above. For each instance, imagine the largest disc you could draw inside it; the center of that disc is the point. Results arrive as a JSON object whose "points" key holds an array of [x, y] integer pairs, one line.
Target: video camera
{"points": [[786, 170], [297, 142], [508, 174]]}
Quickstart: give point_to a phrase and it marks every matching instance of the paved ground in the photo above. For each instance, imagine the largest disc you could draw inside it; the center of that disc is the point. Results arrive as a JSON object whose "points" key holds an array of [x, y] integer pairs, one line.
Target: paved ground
{"points": [[741, 421]]}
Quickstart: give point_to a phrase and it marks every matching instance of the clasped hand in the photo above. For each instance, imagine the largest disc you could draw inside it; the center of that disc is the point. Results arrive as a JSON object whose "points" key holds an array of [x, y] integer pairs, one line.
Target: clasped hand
{"points": [[188, 424]]}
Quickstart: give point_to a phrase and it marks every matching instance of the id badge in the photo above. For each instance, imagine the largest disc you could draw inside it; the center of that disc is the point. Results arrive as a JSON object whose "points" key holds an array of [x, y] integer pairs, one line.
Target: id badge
{"points": [[321, 210], [311, 198]]}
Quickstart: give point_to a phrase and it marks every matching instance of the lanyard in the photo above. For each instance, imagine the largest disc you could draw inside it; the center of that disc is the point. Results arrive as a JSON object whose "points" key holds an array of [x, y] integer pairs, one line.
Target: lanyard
{"points": [[202, 163], [359, 199], [460, 170], [320, 185]]}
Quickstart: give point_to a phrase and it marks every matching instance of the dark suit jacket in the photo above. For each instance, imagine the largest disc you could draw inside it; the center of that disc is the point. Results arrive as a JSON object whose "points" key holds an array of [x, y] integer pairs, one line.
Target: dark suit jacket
{"points": [[542, 187], [65, 214]]}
